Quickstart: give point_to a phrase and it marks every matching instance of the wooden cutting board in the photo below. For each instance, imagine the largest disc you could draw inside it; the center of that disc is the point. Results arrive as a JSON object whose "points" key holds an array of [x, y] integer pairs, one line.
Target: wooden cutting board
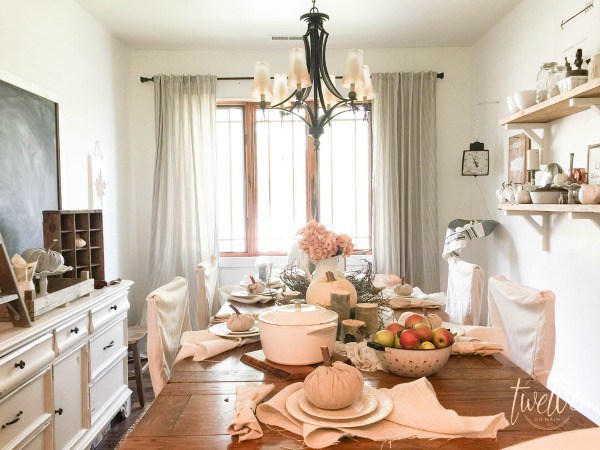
{"points": [[257, 360]]}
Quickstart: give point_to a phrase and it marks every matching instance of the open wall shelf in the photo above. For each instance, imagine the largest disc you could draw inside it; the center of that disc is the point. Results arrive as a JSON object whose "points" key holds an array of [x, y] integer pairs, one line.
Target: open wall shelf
{"points": [[579, 99], [538, 216]]}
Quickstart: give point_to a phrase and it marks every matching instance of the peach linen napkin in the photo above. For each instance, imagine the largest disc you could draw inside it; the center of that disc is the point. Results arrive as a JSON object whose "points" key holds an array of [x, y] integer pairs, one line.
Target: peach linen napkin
{"points": [[417, 413], [245, 425], [476, 340], [203, 344]]}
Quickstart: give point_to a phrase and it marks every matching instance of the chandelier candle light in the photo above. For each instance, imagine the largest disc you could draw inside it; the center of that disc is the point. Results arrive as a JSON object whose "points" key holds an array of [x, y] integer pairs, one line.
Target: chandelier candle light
{"points": [[308, 75]]}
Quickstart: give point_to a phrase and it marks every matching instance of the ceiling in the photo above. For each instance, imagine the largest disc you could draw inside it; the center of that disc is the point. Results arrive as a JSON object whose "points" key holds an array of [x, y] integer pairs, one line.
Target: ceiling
{"points": [[240, 24]]}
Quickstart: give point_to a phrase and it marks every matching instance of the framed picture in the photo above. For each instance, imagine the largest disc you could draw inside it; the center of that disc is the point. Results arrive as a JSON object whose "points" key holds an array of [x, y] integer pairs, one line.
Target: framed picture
{"points": [[517, 154], [593, 166], [29, 162]]}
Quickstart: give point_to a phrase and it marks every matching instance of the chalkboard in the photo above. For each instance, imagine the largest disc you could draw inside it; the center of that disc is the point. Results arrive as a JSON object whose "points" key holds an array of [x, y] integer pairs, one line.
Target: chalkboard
{"points": [[29, 166]]}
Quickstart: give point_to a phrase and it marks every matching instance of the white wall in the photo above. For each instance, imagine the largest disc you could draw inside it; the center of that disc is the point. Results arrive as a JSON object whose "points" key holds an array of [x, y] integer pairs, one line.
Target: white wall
{"points": [[61, 49], [453, 119], [507, 60]]}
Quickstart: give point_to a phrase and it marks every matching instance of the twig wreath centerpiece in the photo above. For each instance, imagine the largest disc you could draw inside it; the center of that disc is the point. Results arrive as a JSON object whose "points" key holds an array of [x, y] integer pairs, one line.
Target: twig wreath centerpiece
{"points": [[325, 248]]}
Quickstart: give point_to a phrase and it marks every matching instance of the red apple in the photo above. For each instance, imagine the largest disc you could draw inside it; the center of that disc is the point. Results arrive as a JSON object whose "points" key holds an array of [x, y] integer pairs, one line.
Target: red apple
{"points": [[395, 328], [409, 339], [414, 319], [442, 338], [424, 332]]}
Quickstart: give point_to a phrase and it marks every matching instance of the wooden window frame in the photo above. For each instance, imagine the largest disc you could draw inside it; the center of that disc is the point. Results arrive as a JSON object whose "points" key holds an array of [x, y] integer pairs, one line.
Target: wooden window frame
{"points": [[250, 111]]}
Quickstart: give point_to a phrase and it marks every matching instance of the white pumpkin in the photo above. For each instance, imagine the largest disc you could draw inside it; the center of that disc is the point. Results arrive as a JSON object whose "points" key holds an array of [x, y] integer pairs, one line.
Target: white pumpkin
{"points": [[239, 321], [333, 386], [320, 289], [403, 289], [79, 243], [47, 260], [256, 287]]}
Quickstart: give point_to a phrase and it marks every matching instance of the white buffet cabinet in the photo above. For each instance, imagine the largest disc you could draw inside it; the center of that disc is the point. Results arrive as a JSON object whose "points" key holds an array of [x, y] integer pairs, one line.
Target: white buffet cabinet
{"points": [[64, 379]]}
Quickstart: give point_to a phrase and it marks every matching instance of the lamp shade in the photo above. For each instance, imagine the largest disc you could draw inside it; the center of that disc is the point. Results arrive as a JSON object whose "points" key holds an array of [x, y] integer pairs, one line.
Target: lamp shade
{"points": [[533, 159], [262, 81], [328, 97], [298, 72], [366, 92], [280, 89], [354, 69]]}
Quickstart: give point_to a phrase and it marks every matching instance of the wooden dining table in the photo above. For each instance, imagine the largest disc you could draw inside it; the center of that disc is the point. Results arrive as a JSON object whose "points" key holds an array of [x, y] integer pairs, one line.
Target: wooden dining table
{"points": [[195, 408]]}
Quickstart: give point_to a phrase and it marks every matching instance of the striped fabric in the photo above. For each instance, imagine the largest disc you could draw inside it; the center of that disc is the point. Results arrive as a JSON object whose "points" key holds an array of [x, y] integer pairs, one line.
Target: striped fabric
{"points": [[458, 238]]}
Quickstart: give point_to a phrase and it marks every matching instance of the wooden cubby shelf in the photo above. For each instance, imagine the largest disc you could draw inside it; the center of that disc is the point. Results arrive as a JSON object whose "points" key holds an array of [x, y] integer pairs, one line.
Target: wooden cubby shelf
{"points": [[576, 100], [538, 216], [65, 226]]}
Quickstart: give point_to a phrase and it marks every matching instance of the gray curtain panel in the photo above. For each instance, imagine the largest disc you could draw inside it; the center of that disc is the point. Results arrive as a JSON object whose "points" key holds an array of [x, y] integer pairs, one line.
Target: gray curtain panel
{"points": [[184, 198], [405, 238]]}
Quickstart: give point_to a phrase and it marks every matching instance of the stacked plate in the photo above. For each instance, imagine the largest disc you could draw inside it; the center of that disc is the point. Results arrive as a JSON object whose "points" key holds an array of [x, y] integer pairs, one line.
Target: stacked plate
{"points": [[221, 329], [371, 407], [243, 296]]}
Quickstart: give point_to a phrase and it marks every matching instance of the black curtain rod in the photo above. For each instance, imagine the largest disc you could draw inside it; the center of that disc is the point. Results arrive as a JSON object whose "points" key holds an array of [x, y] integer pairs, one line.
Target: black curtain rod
{"points": [[440, 75]]}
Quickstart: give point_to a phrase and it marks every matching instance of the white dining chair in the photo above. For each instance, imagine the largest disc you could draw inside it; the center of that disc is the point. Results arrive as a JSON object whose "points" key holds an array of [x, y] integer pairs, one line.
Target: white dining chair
{"points": [[167, 319], [465, 292], [209, 300], [526, 315]]}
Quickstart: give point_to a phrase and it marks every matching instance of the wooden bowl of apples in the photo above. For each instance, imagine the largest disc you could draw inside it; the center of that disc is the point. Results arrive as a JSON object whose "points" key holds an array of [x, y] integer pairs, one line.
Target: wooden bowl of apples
{"points": [[414, 349]]}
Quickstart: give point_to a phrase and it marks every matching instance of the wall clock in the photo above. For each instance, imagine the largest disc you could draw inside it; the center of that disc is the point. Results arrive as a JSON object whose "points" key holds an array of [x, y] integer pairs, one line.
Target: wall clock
{"points": [[476, 161]]}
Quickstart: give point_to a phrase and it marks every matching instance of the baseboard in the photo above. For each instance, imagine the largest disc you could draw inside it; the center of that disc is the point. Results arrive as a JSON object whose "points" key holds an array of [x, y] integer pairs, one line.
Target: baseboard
{"points": [[561, 388]]}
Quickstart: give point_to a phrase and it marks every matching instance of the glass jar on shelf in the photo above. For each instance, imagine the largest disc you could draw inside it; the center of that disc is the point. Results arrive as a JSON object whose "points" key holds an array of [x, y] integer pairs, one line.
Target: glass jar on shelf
{"points": [[546, 81]]}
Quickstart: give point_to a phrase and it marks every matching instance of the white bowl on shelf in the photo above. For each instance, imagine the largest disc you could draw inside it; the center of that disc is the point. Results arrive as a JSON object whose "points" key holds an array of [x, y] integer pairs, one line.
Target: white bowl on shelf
{"points": [[525, 99], [545, 197], [571, 83]]}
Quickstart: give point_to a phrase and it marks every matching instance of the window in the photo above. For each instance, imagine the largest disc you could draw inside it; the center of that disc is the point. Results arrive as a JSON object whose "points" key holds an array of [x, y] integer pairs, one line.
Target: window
{"points": [[266, 172]]}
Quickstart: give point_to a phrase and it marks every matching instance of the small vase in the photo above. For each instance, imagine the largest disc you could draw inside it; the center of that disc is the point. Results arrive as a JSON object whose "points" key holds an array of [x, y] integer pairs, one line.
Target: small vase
{"points": [[328, 265], [523, 196]]}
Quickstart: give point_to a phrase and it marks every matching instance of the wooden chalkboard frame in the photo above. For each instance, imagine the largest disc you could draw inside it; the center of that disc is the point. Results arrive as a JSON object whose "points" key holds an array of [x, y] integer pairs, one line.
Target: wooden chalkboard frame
{"points": [[31, 88]]}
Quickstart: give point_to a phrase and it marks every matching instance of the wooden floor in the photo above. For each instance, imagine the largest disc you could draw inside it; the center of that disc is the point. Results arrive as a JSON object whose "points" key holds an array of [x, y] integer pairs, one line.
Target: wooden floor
{"points": [[120, 426]]}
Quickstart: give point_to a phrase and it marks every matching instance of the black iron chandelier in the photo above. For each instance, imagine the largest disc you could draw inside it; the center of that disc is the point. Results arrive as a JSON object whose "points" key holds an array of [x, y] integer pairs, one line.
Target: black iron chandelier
{"points": [[308, 75]]}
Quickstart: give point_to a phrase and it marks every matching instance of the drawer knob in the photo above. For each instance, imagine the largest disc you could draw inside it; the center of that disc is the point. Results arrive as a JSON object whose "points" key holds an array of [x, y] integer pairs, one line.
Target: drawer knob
{"points": [[114, 307], [58, 411], [20, 364], [15, 420], [75, 330], [109, 345]]}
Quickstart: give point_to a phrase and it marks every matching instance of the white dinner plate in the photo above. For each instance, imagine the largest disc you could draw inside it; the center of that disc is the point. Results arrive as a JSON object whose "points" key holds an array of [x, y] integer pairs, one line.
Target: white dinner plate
{"points": [[243, 294], [367, 403], [220, 329], [384, 408]]}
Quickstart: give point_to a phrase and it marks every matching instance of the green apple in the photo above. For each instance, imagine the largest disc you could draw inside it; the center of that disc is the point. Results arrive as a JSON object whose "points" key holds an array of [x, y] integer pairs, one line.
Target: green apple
{"points": [[385, 338], [426, 346]]}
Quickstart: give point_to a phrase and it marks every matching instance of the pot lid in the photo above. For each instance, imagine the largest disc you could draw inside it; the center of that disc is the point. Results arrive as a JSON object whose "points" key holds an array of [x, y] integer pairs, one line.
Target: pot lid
{"points": [[297, 314]]}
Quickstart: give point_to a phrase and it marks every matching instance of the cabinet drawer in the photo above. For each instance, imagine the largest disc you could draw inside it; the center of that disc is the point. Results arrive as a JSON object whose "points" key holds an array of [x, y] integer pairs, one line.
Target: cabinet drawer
{"points": [[24, 410], [106, 312], [71, 334], [106, 345], [22, 364], [110, 384], [39, 441]]}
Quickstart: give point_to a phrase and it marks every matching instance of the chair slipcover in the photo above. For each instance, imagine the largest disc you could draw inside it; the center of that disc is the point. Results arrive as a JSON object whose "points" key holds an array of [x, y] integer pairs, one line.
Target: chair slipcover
{"points": [[167, 319], [465, 292], [526, 316], [209, 300]]}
